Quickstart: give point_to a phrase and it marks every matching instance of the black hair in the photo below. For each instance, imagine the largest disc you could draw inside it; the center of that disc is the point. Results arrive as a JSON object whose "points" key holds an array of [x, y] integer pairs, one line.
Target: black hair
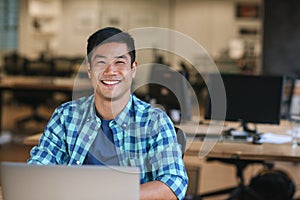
{"points": [[108, 35]]}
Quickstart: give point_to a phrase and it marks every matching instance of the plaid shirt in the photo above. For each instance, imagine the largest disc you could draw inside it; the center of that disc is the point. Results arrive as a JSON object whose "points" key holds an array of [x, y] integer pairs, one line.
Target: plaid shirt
{"points": [[144, 137]]}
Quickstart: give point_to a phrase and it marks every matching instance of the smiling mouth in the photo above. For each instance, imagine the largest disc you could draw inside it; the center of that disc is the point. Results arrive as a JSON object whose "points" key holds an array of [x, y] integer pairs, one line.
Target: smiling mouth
{"points": [[112, 82]]}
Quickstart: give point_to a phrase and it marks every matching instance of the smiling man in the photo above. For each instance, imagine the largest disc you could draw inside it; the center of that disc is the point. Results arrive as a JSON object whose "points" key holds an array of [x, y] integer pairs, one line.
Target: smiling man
{"points": [[114, 127]]}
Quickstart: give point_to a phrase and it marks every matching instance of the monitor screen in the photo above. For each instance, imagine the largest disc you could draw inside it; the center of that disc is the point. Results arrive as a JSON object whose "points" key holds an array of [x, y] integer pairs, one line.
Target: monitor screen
{"points": [[169, 89], [249, 98]]}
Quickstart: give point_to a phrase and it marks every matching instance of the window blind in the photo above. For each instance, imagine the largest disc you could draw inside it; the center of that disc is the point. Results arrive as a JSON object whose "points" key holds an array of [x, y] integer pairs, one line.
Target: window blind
{"points": [[9, 14]]}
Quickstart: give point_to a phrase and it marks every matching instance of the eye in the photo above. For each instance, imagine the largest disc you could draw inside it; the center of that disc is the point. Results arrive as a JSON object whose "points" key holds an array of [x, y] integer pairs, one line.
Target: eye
{"points": [[100, 63], [120, 62]]}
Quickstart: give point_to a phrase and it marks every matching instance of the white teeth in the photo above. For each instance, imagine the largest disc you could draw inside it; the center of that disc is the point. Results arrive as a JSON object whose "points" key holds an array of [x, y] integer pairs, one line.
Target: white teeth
{"points": [[110, 82]]}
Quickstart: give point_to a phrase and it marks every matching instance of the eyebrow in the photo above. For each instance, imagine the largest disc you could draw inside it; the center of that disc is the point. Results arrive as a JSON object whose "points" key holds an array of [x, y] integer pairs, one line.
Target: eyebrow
{"points": [[122, 56], [101, 56]]}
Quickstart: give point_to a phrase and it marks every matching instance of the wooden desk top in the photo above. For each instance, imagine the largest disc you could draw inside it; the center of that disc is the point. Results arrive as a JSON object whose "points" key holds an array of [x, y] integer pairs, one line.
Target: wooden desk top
{"points": [[32, 140], [238, 150], [194, 129], [246, 151], [43, 83]]}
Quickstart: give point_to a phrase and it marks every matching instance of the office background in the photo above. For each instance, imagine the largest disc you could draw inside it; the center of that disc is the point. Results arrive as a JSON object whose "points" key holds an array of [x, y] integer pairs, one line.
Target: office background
{"points": [[60, 28], [266, 31], [262, 34]]}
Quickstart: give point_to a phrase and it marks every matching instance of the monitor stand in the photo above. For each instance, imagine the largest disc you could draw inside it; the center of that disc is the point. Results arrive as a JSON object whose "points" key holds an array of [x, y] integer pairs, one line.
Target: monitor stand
{"points": [[252, 132]]}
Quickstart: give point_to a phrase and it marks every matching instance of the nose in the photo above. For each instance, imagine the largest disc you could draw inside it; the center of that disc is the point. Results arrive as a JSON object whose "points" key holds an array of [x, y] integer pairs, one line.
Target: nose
{"points": [[110, 68]]}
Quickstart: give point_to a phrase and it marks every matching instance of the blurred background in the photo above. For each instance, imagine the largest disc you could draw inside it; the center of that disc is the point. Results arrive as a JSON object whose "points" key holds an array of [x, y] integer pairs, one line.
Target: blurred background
{"points": [[48, 38]]}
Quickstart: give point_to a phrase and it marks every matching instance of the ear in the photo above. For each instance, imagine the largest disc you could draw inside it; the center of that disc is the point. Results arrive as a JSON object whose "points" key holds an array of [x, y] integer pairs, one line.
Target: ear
{"points": [[88, 65], [133, 68]]}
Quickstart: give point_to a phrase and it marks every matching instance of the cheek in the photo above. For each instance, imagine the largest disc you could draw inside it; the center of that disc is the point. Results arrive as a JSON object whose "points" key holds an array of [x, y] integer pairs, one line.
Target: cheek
{"points": [[130, 72], [95, 74], [133, 73]]}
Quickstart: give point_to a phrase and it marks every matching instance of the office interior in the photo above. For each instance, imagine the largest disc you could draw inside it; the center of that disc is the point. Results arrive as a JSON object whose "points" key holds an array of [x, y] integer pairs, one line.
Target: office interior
{"points": [[237, 35]]}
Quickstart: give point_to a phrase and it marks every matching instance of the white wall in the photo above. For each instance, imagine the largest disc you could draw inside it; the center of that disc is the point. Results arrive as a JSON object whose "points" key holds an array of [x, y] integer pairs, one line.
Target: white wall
{"points": [[78, 19], [210, 22]]}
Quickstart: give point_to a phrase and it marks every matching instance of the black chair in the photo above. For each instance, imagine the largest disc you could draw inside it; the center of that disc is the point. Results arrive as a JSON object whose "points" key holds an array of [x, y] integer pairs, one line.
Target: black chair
{"points": [[14, 64], [33, 99], [274, 184], [287, 97], [40, 67], [63, 67], [193, 172], [241, 188], [181, 138]]}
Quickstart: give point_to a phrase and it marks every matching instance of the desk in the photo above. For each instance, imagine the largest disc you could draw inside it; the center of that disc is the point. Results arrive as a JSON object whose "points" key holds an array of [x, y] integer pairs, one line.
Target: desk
{"points": [[237, 150], [44, 83], [242, 154], [38, 83], [230, 150], [247, 151], [32, 140]]}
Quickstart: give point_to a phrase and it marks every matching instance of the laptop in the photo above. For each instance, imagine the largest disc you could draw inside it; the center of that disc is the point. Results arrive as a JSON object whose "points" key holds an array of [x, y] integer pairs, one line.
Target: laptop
{"points": [[61, 182]]}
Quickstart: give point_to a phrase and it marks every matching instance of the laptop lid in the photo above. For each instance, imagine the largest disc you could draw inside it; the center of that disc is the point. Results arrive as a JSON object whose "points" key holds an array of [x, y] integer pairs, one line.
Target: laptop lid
{"points": [[60, 182]]}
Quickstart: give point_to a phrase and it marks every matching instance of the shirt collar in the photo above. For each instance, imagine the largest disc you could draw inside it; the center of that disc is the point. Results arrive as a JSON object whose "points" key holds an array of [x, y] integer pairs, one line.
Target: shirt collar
{"points": [[124, 118], [92, 110]]}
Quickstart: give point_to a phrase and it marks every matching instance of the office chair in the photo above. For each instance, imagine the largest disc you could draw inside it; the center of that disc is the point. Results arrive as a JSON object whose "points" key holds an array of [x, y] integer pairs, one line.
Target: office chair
{"points": [[40, 67], [241, 188], [14, 64], [193, 172], [272, 184], [32, 97], [63, 67], [181, 138], [287, 96]]}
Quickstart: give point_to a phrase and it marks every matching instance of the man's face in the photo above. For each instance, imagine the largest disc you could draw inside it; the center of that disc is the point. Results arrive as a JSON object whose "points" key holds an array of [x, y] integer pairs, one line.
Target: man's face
{"points": [[111, 71]]}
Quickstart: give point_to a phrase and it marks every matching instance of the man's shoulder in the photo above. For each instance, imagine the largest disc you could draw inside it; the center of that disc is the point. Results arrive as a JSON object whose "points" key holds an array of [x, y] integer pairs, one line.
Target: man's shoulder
{"points": [[77, 104], [141, 106]]}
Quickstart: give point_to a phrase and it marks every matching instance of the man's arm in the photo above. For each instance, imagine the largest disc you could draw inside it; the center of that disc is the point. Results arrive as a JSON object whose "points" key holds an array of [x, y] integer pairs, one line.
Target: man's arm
{"points": [[164, 162], [156, 190]]}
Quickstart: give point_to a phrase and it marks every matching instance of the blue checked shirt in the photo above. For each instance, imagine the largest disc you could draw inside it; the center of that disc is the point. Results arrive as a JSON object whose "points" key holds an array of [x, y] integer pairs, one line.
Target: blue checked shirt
{"points": [[144, 137]]}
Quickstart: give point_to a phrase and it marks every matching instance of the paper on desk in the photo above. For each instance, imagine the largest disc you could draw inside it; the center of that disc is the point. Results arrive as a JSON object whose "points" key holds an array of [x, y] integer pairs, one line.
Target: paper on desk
{"points": [[290, 133], [275, 138]]}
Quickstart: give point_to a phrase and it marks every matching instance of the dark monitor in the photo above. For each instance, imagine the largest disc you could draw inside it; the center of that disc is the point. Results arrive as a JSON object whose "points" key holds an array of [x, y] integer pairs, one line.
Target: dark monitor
{"points": [[249, 98], [169, 89]]}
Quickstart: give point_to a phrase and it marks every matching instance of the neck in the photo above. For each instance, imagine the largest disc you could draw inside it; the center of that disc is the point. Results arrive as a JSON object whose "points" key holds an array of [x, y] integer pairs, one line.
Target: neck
{"points": [[109, 109]]}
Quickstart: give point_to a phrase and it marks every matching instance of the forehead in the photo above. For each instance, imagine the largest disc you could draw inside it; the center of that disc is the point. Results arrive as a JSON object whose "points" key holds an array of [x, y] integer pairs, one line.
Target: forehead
{"points": [[111, 50]]}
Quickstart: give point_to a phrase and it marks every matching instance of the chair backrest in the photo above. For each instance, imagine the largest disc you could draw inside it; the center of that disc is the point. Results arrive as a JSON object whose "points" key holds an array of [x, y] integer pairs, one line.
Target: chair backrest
{"points": [[63, 66], [40, 68], [287, 97], [181, 138], [273, 184], [14, 64]]}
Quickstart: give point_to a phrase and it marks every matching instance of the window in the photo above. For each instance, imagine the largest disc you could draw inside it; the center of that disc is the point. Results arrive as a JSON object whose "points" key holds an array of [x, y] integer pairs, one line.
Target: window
{"points": [[9, 13]]}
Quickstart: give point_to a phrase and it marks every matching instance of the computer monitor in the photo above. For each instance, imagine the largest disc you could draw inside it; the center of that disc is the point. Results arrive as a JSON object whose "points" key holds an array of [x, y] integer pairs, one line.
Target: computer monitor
{"points": [[249, 98], [166, 88], [169, 88]]}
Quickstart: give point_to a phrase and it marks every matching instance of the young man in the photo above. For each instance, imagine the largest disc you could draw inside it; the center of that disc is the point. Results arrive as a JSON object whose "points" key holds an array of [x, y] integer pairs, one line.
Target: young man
{"points": [[112, 126]]}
